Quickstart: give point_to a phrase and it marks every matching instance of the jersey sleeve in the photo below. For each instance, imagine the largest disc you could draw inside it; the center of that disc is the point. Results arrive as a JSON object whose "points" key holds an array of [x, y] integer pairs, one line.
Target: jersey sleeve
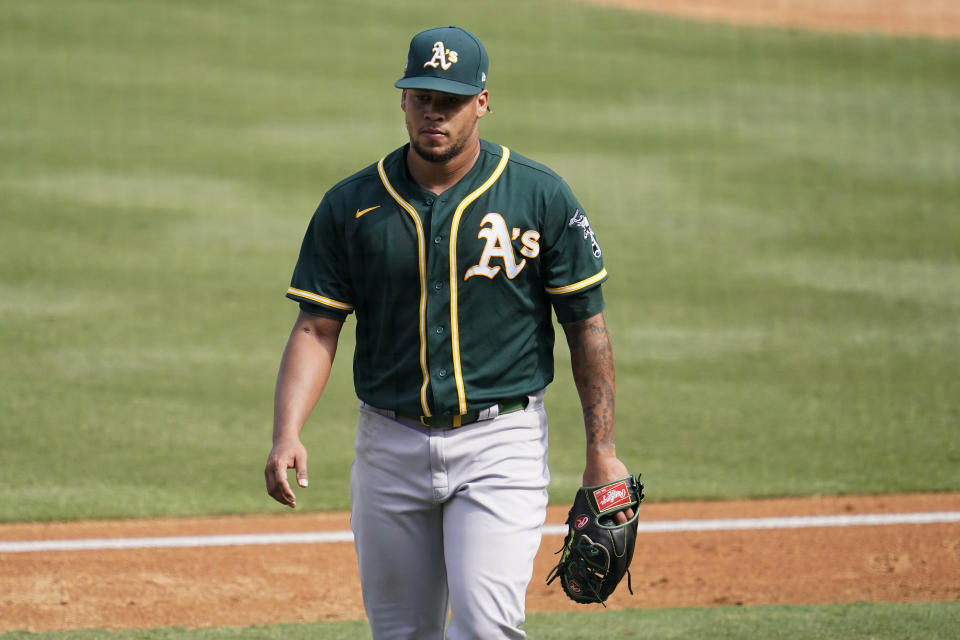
{"points": [[572, 259], [579, 306], [321, 280]]}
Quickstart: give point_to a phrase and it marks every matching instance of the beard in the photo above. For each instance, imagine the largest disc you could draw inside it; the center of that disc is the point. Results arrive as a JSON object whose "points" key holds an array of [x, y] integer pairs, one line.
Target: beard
{"points": [[439, 156], [455, 149]]}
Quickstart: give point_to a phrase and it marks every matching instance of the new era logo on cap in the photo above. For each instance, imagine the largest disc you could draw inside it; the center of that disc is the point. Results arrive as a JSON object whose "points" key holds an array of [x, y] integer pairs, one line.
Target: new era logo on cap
{"points": [[448, 59]]}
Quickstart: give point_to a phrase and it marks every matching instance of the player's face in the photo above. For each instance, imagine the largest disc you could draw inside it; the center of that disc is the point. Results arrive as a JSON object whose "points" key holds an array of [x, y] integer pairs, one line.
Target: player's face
{"points": [[441, 125]]}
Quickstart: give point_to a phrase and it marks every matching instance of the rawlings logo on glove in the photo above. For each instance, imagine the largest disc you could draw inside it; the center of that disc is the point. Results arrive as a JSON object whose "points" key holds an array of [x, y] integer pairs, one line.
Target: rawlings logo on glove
{"points": [[612, 496], [597, 550]]}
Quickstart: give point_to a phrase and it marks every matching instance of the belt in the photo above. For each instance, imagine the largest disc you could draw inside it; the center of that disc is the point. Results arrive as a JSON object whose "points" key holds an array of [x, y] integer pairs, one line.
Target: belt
{"points": [[446, 422]]}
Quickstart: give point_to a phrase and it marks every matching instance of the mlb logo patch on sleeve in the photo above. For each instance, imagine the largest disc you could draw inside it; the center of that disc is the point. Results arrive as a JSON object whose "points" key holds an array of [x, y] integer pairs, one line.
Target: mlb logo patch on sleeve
{"points": [[612, 496]]}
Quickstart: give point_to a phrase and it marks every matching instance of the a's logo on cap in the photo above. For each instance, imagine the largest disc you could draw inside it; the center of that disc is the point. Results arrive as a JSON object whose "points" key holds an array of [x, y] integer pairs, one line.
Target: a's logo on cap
{"points": [[442, 57]]}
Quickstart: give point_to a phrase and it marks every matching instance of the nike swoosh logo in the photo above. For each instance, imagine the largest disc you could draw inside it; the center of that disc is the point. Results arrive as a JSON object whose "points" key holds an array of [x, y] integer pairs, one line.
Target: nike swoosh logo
{"points": [[367, 210]]}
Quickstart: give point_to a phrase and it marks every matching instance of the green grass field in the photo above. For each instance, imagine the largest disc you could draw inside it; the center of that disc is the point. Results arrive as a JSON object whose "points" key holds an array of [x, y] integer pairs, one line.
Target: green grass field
{"points": [[862, 621], [778, 211]]}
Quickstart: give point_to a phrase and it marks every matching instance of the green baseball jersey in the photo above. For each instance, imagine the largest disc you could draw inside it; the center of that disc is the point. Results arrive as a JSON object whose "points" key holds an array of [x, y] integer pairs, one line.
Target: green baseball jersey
{"points": [[452, 293]]}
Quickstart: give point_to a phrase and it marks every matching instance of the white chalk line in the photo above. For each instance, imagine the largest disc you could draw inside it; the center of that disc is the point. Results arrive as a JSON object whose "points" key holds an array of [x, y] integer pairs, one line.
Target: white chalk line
{"points": [[323, 537]]}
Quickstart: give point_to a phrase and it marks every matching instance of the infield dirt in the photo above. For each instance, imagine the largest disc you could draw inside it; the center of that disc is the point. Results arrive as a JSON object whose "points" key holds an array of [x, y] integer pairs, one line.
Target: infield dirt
{"points": [[251, 585]]}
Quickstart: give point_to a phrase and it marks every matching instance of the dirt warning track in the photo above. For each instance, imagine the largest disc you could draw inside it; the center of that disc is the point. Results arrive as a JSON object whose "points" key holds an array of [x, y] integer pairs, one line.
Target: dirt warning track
{"points": [[923, 18], [814, 550]]}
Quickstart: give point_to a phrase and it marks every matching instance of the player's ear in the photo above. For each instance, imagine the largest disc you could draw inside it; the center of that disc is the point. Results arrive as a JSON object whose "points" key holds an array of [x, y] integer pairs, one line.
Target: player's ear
{"points": [[483, 103], [403, 100]]}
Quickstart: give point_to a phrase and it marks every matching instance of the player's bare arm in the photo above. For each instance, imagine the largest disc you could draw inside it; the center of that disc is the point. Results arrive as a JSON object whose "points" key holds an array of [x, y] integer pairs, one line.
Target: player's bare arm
{"points": [[304, 371], [591, 357]]}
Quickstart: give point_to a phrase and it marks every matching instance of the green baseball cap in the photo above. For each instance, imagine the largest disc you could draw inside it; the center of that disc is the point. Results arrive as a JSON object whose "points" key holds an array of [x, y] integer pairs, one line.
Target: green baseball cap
{"points": [[448, 59]]}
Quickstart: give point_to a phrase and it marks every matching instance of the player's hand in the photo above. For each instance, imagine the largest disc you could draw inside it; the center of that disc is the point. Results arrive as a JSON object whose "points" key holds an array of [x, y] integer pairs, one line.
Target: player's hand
{"points": [[602, 469], [286, 454]]}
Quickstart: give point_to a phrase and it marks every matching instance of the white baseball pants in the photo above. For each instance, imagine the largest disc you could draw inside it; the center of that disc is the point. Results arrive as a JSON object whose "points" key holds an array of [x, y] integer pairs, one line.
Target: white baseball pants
{"points": [[448, 518]]}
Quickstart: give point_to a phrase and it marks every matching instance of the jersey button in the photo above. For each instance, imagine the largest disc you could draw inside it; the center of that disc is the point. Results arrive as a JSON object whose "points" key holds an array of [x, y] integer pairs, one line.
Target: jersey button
{"points": [[439, 330], [438, 240], [438, 285], [442, 373], [428, 201]]}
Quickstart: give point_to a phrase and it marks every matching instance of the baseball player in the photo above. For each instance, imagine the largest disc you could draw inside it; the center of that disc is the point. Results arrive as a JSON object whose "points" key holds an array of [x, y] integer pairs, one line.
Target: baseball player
{"points": [[452, 252]]}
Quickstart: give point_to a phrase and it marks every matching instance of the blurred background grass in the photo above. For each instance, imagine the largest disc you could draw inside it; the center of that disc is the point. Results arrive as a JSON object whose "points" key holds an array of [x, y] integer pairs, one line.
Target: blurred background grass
{"points": [[778, 211]]}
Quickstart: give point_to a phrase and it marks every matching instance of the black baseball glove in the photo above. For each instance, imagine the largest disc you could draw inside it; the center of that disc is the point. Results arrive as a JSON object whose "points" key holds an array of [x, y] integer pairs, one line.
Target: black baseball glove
{"points": [[597, 551]]}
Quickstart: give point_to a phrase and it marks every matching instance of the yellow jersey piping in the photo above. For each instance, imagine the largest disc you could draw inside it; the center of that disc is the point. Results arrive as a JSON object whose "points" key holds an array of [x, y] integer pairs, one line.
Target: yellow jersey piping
{"points": [[454, 279], [423, 284], [313, 297], [576, 286]]}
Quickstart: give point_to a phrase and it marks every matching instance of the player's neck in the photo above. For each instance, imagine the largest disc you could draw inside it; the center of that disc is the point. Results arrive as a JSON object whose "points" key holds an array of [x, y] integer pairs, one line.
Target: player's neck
{"points": [[437, 177]]}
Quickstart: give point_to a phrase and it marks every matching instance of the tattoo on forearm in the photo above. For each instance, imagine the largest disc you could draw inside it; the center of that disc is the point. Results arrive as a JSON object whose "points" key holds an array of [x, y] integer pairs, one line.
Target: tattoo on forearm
{"points": [[591, 356]]}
